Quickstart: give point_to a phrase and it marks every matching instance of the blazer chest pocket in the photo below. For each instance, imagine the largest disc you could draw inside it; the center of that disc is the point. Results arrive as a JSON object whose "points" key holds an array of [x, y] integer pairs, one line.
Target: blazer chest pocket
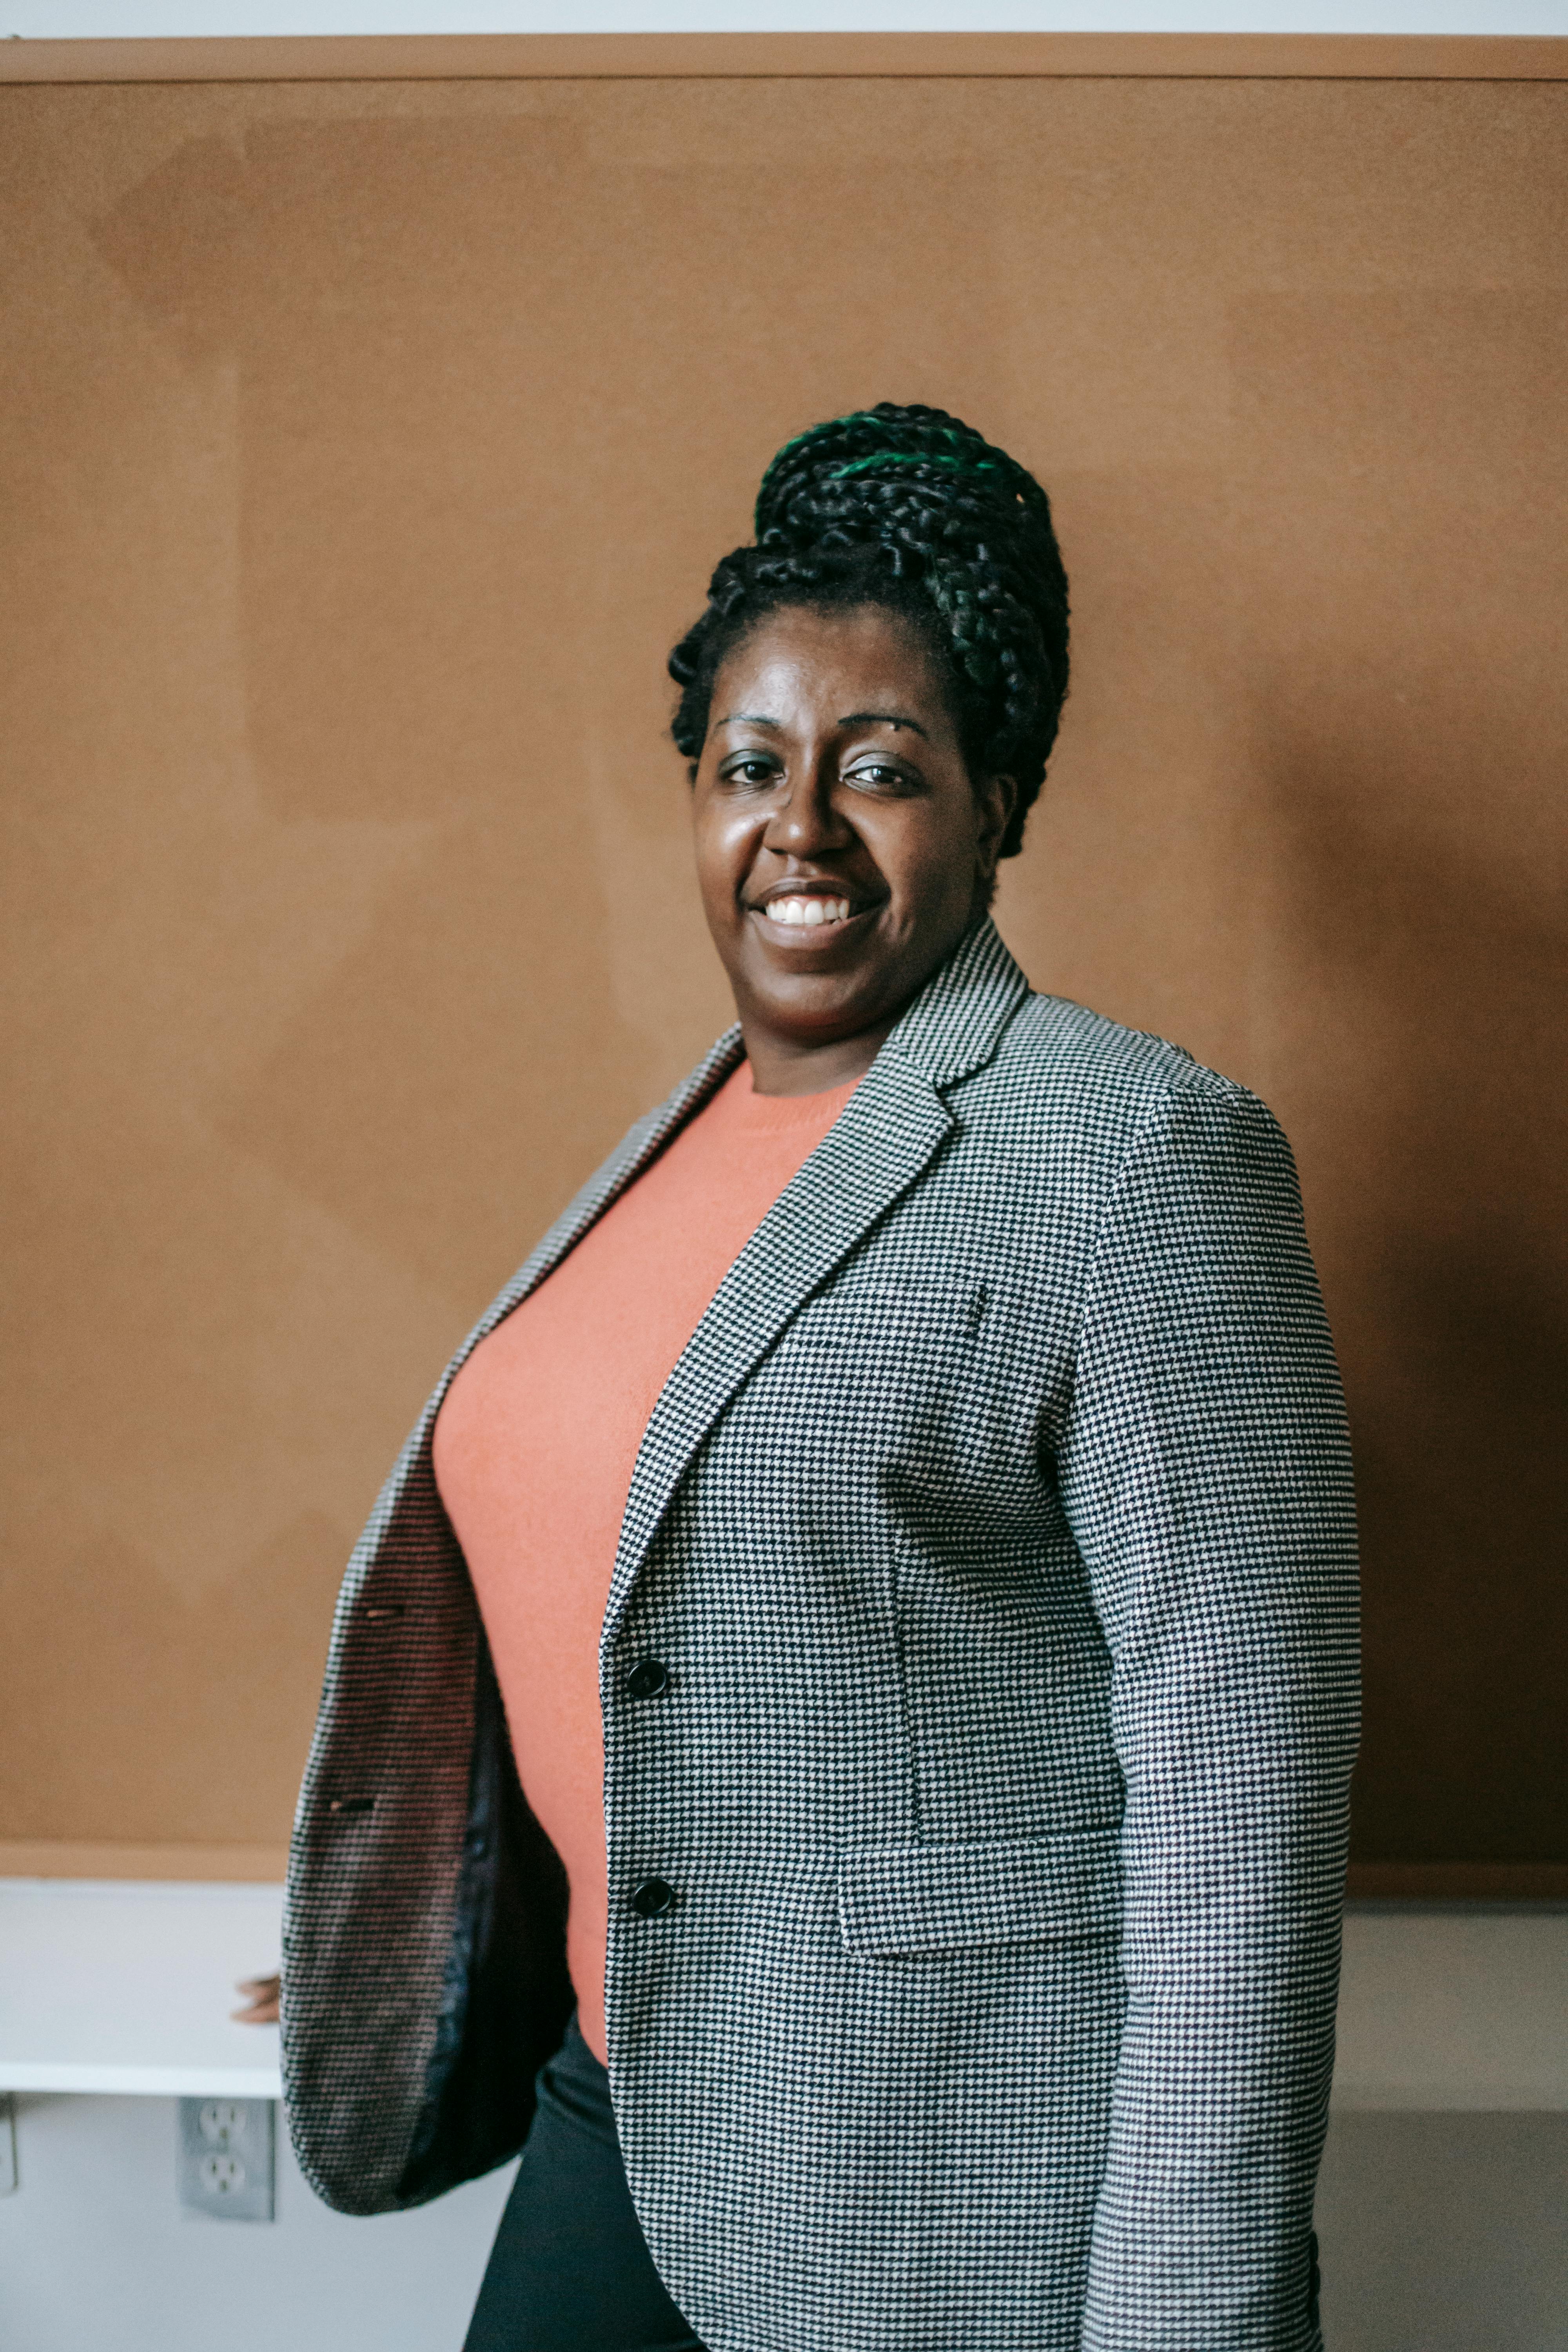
{"points": [[906, 1900]]}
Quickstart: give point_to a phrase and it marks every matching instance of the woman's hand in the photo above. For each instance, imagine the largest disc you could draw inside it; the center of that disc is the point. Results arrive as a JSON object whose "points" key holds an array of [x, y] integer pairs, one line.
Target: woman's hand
{"points": [[261, 2001]]}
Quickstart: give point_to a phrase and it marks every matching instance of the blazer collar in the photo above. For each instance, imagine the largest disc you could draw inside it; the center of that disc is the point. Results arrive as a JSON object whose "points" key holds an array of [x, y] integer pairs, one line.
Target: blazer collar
{"points": [[954, 1024], [891, 1130]]}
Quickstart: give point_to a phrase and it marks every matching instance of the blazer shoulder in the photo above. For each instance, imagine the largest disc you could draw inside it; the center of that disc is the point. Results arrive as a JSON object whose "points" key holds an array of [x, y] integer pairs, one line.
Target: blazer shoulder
{"points": [[1078, 1067], [1055, 1127]]}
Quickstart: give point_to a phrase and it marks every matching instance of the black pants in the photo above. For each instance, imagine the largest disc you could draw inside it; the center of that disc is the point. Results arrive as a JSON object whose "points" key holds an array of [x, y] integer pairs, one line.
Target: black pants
{"points": [[570, 2271]]}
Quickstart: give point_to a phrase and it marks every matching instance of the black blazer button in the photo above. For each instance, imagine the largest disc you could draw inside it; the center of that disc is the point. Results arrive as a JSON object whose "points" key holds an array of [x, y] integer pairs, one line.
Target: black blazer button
{"points": [[648, 1678], [653, 1898]]}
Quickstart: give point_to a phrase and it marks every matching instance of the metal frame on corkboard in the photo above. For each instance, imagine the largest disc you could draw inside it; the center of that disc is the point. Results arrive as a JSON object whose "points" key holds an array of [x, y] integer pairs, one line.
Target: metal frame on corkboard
{"points": [[600, 56]]}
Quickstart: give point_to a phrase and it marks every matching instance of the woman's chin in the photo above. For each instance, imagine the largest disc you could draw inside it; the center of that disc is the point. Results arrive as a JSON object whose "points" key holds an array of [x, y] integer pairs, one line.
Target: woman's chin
{"points": [[803, 1008]]}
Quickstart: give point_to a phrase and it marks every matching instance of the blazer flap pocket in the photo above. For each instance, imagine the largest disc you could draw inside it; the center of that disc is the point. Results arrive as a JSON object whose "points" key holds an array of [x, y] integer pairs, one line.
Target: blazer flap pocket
{"points": [[944, 1898]]}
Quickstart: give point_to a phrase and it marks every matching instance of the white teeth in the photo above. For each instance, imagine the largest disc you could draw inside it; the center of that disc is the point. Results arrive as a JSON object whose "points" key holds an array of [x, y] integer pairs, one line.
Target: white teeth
{"points": [[809, 913]]}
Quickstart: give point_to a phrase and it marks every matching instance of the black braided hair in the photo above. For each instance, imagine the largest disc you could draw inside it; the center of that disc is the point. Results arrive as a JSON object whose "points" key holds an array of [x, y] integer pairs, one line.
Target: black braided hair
{"points": [[910, 509]]}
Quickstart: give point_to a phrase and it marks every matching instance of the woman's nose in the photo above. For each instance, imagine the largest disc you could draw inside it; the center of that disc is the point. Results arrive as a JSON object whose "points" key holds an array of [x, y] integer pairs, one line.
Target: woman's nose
{"points": [[804, 818]]}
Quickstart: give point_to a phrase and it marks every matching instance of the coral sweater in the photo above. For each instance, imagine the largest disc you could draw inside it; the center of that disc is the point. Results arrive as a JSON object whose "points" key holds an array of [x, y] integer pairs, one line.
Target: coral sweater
{"points": [[535, 1443]]}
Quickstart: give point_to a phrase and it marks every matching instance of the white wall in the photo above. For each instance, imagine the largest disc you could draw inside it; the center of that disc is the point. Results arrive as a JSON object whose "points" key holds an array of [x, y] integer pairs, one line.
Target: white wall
{"points": [[1440, 2233], [166, 19], [1445, 2233], [95, 2255]]}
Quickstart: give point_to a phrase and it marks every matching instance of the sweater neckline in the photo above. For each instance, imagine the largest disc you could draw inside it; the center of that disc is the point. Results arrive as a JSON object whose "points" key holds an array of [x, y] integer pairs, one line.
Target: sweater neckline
{"points": [[754, 1114]]}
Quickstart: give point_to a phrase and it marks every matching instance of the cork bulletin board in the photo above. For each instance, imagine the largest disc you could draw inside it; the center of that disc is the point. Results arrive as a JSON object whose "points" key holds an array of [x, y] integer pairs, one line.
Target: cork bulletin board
{"points": [[368, 423]]}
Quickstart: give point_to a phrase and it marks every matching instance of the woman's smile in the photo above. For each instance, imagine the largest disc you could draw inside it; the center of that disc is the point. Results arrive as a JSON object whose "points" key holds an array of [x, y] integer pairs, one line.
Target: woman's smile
{"points": [[812, 920]]}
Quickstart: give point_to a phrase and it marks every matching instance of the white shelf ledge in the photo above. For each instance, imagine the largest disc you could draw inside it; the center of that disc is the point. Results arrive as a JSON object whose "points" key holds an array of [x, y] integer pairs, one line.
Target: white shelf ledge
{"points": [[125, 1985]]}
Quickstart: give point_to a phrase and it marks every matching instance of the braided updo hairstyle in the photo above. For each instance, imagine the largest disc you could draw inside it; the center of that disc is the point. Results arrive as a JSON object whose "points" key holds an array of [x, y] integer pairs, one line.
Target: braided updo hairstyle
{"points": [[908, 510]]}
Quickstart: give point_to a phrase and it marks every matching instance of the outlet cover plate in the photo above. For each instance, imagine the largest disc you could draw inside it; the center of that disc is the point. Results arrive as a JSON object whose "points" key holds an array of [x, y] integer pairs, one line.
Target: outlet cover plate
{"points": [[225, 2165]]}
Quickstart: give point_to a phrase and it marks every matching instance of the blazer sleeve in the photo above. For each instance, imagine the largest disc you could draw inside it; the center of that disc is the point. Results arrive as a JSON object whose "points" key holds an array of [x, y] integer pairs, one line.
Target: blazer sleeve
{"points": [[1205, 1469]]}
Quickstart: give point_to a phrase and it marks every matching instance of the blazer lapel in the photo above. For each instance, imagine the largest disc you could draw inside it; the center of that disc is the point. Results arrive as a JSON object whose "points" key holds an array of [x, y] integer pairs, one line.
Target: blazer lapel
{"points": [[887, 1135]]}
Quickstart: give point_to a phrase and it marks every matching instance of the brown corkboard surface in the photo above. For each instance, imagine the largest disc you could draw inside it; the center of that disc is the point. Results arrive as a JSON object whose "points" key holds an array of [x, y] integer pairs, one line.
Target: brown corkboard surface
{"points": [[363, 449]]}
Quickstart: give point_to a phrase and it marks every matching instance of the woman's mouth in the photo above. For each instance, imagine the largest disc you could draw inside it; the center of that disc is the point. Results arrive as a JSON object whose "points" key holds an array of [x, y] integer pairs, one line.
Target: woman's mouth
{"points": [[812, 913], [797, 922]]}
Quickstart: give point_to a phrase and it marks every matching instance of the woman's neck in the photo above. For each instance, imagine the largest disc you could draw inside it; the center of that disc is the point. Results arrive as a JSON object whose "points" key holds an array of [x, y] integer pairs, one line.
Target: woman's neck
{"points": [[788, 1066]]}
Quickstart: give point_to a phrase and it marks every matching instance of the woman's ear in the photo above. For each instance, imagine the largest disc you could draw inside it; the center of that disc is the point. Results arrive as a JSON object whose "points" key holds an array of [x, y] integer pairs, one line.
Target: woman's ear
{"points": [[998, 798], [995, 800]]}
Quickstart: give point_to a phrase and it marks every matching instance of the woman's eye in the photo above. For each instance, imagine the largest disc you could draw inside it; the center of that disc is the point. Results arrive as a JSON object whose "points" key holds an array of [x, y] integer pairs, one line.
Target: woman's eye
{"points": [[881, 778], [750, 771]]}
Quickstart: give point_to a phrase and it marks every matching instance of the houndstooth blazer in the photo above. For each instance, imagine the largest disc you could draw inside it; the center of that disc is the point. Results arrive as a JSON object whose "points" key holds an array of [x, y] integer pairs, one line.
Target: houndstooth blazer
{"points": [[996, 1531]]}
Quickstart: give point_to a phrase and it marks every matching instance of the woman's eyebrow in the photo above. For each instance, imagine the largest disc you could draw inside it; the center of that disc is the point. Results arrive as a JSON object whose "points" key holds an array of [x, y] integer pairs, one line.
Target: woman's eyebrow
{"points": [[749, 718], [884, 718]]}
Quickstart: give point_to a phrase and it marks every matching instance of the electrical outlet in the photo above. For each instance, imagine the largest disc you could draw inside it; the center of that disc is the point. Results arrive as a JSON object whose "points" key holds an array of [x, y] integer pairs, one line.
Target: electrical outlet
{"points": [[225, 2165]]}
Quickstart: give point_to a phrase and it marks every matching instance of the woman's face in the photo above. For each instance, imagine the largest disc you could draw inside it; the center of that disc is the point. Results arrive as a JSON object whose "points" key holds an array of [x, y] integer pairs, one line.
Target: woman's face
{"points": [[842, 848]]}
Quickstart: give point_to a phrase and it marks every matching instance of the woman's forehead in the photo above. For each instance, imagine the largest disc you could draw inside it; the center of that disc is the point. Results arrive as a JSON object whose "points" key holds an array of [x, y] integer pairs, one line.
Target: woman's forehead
{"points": [[838, 666]]}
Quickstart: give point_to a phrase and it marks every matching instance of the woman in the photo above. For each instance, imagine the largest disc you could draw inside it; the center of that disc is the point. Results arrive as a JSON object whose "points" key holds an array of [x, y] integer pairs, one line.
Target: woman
{"points": [[901, 1514]]}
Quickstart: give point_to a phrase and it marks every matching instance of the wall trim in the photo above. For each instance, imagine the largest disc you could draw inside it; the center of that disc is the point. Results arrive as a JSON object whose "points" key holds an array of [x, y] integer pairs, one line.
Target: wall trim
{"points": [[1457, 1881], [1368, 1882], [598, 56], [73, 1858]]}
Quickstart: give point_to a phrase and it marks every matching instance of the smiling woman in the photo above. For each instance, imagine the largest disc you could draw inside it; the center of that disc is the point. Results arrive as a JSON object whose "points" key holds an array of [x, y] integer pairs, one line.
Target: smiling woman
{"points": [[867, 703], [838, 1728]]}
